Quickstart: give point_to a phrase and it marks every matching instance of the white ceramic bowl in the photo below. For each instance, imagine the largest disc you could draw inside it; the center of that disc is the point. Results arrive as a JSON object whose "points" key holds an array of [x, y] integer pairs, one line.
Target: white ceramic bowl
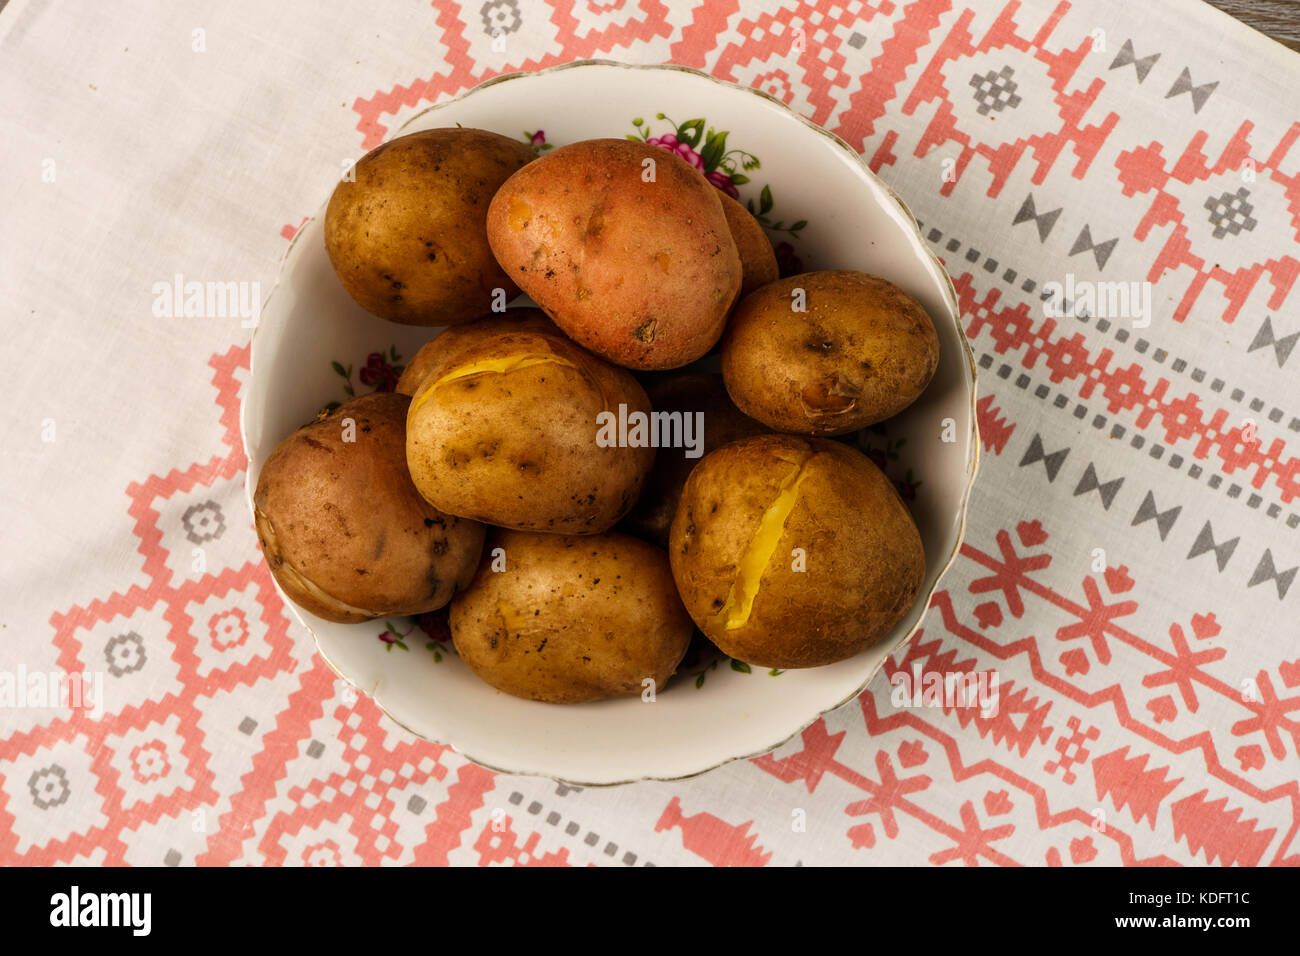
{"points": [[850, 220]]}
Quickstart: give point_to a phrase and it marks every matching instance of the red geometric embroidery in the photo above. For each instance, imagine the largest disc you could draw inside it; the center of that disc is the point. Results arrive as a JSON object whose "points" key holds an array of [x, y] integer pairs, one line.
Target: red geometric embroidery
{"points": [[936, 86], [1145, 170]]}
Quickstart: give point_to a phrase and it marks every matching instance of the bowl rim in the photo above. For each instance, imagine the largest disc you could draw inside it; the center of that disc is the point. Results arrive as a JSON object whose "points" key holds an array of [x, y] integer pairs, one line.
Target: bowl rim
{"points": [[950, 294]]}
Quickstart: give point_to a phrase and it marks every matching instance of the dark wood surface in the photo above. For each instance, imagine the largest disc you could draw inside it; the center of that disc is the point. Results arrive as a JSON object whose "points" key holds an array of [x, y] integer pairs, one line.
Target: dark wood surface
{"points": [[1279, 19]]}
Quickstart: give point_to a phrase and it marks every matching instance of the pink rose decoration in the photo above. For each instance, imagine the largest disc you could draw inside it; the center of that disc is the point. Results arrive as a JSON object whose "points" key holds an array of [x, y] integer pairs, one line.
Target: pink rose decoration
{"points": [[670, 142], [720, 179]]}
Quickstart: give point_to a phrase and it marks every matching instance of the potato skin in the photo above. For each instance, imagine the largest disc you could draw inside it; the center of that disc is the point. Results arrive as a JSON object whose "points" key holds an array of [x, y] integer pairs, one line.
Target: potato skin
{"points": [[571, 619], [642, 273], [517, 447], [652, 515], [862, 352], [757, 257], [342, 527], [408, 238], [451, 342], [863, 558]]}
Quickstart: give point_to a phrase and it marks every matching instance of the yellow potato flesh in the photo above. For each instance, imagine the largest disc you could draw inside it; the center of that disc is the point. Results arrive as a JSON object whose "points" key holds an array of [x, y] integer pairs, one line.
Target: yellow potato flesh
{"points": [[761, 547], [500, 366]]}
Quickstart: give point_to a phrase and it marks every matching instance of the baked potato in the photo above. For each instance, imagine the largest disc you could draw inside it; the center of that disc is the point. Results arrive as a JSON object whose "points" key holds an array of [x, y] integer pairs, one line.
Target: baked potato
{"points": [[567, 619], [510, 433], [624, 245], [407, 235], [793, 551], [860, 352], [345, 533]]}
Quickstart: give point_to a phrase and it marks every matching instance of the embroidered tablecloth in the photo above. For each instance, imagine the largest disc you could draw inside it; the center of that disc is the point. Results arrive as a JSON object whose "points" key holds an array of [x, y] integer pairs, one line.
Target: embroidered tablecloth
{"points": [[1115, 189]]}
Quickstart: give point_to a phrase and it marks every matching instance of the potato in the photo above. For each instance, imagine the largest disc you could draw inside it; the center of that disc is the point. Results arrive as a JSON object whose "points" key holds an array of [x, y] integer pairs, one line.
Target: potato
{"points": [[757, 258], [861, 352], [449, 343], [507, 433], [571, 619], [342, 527], [408, 238], [640, 272], [794, 552], [687, 395]]}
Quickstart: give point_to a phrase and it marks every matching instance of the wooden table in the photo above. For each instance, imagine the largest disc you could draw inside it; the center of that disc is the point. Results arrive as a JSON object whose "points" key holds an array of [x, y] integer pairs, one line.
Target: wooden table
{"points": [[1279, 19]]}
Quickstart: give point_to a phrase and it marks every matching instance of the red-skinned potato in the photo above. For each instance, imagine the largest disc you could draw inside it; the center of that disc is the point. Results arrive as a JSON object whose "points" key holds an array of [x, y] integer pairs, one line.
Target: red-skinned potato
{"points": [[342, 527], [625, 246]]}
